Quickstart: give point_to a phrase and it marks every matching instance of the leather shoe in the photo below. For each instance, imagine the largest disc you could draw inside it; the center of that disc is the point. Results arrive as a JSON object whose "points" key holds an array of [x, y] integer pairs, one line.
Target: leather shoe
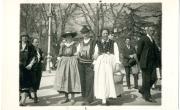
{"points": [[35, 100], [21, 104], [119, 95], [72, 101], [65, 101], [140, 91], [135, 87], [106, 104], [85, 103], [149, 99]]}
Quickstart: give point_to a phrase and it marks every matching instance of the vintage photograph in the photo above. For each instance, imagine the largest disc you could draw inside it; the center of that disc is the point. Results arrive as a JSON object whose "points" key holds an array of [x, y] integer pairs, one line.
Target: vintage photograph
{"points": [[90, 54]]}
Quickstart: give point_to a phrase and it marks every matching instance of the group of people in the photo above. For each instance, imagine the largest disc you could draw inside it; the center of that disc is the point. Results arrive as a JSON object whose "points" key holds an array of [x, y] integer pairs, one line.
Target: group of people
{"points": [[89, 66]]}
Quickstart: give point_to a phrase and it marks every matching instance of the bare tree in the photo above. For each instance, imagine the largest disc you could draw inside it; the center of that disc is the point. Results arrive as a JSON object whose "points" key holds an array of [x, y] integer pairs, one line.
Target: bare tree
{"points": [[129, 19]]}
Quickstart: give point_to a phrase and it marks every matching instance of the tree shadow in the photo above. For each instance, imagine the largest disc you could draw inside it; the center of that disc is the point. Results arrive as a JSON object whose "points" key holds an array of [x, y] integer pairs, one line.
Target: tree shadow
{"points": [[126, 97], [47, 100], [48, 75], [156, 96], [54, 100], [158, 87], [79, 98], [46, 87]]}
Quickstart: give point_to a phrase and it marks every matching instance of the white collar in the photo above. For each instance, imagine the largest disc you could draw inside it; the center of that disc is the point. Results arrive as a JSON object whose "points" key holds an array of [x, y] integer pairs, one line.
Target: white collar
{"points": [[69, 44], [102, 40], [23, 46], [150, 37], [86, 40]]}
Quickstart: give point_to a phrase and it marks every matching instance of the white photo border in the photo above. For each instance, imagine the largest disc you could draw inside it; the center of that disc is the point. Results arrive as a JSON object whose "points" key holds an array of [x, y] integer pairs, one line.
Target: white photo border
{"points": [[170, 30]]}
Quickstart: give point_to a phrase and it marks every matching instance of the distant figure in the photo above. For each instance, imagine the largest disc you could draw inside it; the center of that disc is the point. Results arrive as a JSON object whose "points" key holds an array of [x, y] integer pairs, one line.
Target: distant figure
{"points": [[67, 79], [106, 63], [147, 54], [129, 61], [37, 68], [86, 68]]}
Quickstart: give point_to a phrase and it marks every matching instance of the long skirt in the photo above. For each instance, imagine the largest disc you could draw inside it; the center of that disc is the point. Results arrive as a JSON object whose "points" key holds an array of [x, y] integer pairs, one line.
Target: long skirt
{"points": [[36, 78], [25, 79], [104, 86], [67, 75]]}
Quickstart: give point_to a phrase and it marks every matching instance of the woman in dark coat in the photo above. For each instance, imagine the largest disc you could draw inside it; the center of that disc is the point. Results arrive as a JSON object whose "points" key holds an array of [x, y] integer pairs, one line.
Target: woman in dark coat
{"points": [[36, 68], [26, 62]]}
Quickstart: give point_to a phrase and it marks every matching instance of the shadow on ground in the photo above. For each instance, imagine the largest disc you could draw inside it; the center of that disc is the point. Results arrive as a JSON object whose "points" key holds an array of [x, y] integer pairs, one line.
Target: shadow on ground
{"points": [[47, 100]]}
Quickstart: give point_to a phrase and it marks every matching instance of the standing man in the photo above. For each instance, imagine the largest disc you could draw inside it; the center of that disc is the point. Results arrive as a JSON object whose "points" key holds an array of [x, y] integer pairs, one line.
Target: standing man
{"points": [[85, 50], [129, 54], [37, 68], [147, 54]]}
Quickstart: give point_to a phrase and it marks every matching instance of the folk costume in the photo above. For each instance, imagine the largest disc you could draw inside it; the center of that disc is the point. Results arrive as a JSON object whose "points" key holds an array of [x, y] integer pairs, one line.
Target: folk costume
{"points": [[104, 66], [67, 78], [86, 68], [67, 75]]}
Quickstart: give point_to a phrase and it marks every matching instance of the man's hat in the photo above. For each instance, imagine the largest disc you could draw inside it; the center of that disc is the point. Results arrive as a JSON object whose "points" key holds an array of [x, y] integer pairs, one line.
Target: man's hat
{"points": [[73, 34], [84, 30], [24, 34]]}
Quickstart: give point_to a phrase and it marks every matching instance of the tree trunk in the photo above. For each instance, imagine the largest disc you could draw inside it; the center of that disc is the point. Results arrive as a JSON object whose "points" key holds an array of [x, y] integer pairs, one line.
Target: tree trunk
{"points": [[97, 24]]}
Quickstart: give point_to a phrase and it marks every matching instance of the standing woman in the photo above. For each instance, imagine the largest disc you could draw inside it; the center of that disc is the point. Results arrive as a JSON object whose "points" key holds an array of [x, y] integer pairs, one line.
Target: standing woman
{"points": [[37, 68], [67, 78], [106, 63], [27, 59], [86, 68]]}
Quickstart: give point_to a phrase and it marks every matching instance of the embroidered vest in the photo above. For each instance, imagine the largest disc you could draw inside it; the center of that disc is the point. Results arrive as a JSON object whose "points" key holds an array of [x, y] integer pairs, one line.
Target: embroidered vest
{"points": [[67, 51], [86, 51], [104, 47]]}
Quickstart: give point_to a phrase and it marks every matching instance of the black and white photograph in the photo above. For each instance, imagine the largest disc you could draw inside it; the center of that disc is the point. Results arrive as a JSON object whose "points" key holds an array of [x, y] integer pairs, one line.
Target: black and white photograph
{"points": [[90, 55]]}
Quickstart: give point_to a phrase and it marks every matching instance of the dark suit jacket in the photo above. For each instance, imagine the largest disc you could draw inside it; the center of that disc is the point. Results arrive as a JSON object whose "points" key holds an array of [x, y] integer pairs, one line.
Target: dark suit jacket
{"points": [[147, 53], [126, 52]]}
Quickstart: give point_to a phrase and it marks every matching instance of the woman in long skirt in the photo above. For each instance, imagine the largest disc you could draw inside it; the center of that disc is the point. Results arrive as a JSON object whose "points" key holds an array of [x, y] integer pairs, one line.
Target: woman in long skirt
{"points": [[67, 78], [106, 63]]}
